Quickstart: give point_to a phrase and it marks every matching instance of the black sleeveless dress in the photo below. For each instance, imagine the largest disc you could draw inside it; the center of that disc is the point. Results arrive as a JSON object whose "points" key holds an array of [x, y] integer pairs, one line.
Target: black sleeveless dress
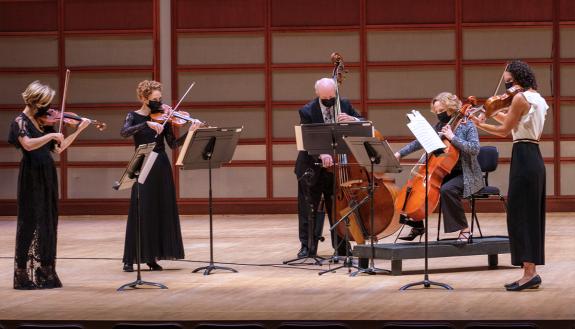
{"points": [[37, 224], [161, 233]]}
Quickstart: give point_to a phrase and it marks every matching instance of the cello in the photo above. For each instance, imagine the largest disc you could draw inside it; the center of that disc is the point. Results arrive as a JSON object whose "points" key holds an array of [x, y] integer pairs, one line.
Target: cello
{"points": [[352, 182], [411, 199]]}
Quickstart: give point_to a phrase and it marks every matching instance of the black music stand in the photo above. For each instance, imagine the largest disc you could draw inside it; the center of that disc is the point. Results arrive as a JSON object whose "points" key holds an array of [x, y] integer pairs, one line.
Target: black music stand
{"points": [[136, 172], [209, 148], [425, 134], [327, 138], [375, 156]]}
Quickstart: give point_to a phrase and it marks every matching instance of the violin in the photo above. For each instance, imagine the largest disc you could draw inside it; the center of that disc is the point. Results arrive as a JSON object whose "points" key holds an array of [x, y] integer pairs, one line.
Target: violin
{"points": [[495, 103], [71, 119], [177, 118]]}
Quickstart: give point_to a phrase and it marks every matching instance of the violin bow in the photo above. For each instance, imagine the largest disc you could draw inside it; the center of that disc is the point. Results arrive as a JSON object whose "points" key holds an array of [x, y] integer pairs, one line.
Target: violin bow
{"points": [[178, 104], [500, 80], [63, 105]]}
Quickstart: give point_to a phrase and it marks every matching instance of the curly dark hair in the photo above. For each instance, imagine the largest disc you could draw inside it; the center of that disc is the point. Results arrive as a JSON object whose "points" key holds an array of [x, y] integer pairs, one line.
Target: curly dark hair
{"points": [[522, 74]]}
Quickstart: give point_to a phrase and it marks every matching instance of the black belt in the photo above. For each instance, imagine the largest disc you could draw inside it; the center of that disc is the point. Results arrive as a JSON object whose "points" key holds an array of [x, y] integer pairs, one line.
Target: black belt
{"points": [[526, 140]]}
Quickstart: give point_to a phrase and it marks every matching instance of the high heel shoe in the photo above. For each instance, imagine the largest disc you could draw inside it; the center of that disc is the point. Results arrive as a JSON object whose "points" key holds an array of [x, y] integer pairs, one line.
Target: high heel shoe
{"points": [[465, 237], [154, 266], [534, 283], [128, 267], [414, 233]]}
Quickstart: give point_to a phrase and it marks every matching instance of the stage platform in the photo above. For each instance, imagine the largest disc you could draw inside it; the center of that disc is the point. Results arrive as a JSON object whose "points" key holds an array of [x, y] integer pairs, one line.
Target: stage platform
{"points": [[490, 246], [89, 264]]}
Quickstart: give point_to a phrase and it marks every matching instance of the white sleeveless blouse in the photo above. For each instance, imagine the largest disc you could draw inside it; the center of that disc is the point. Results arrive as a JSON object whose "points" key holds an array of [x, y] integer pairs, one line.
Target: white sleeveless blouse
{"points": [[530, 125]]}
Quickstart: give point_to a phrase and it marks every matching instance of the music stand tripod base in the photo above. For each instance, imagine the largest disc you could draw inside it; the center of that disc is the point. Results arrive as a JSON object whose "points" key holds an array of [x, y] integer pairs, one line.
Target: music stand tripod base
{"points": [[208, 269], [139, 282]]}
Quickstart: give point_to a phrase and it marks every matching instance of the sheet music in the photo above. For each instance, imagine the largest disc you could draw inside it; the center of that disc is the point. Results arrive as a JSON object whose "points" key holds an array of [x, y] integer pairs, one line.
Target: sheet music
{"points": [[424, 132], [182, 154], [147, 167], [298, 138]]}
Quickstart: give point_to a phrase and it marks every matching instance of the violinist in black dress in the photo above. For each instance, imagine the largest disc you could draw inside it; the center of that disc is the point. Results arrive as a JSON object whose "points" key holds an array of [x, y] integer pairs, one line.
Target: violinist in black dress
{"points": [[37, 223], [161, 237]]}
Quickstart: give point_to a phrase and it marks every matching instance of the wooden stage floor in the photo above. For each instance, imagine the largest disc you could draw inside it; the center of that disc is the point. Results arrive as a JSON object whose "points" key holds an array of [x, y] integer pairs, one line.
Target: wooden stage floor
{"points": [[89, 264]]}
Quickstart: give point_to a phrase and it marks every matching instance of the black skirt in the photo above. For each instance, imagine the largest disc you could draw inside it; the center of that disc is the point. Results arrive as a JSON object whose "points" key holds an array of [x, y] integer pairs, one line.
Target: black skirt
{"points": [[526, 205]]}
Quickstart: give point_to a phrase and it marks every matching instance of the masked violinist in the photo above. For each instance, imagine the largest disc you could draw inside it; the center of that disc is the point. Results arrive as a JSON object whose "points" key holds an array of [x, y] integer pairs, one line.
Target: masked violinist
{"points": [[35, 258], [161, 233], [524, 119]]}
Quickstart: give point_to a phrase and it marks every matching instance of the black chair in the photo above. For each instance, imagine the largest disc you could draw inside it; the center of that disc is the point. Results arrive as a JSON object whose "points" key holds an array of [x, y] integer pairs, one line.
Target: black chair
{"points": [[136, 325], [421, 325], [49, 326], [230, 326], [488, 159], [502, 325], [313, 325]]}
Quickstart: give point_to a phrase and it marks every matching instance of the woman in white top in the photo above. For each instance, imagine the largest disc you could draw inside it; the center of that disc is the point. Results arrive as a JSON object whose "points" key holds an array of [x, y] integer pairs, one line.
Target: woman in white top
{"points": [[524, 119]]}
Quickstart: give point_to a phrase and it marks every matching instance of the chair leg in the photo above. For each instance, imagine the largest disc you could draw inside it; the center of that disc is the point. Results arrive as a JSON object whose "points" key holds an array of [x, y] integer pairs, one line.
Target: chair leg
{"points": [[504, 202], [474, 218]]}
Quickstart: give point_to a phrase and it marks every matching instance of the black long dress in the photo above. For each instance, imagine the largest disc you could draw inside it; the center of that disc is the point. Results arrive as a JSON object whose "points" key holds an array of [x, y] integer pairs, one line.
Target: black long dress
{"points": [[37, 210], [161, 233]]}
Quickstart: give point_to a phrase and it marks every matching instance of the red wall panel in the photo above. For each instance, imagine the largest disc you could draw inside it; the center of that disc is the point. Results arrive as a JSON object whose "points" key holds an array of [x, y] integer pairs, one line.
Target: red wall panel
{"points": [[192, 14], [567, 10], [384, 12], [108, 15], [315, 13], [39, 16], [507, 11]]}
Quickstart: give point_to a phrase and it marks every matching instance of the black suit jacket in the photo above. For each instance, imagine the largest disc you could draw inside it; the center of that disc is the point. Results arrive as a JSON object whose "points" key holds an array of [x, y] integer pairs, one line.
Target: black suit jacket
{"points": [[311, 113]]}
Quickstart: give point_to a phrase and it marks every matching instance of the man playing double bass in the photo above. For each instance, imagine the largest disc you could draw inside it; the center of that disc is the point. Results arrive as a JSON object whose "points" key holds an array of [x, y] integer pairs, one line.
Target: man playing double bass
{"points": [[312, 177]]}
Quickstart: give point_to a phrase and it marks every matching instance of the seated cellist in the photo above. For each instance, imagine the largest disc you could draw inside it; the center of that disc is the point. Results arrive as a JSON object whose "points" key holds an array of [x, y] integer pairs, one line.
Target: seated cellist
{"points": [[465, 178]]}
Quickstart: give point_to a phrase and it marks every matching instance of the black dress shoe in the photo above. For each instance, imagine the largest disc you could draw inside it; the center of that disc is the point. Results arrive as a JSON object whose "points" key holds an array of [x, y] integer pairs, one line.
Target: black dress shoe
{"points": [[414, 233], [154, 266], [128, 267], [507, 285], [534, 283], [303, 252]]}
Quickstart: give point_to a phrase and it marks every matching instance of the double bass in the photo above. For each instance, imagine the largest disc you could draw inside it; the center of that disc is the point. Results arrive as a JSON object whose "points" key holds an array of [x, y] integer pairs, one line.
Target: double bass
{"points": [[352, 182]]}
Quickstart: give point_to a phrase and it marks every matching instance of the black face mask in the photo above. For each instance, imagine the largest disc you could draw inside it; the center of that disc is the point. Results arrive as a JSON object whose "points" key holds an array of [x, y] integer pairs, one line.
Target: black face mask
{"points": [[328, 102], [509, 84], [155, 106], [42, 111], [443, 117]]}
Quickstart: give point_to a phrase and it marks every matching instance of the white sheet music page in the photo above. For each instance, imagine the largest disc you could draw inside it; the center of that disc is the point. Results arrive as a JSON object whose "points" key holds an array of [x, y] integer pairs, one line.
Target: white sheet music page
{"points": [[424, 132]]}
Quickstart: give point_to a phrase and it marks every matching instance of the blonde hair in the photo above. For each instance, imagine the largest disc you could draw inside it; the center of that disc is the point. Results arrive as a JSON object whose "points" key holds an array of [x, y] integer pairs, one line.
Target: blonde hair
{"points": [[146, 87], [38, 94], [449, 100]]}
